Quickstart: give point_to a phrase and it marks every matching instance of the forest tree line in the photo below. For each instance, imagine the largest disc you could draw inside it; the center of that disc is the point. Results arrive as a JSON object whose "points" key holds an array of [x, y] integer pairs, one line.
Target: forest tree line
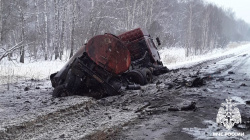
{"points": [[48, 29]]}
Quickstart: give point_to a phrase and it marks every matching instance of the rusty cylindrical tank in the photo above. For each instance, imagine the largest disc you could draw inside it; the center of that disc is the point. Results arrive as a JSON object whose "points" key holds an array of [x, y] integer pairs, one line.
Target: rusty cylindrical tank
{"points": [[106, 50], [109, 52]]}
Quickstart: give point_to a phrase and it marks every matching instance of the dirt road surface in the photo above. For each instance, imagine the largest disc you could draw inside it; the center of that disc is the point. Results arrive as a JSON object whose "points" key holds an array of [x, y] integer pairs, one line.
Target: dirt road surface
{"points": [[177, 105]]}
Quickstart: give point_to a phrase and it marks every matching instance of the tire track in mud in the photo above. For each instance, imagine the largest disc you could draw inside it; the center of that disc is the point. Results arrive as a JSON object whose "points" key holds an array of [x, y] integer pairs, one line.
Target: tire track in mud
{"points": [[87, 120], [232, 66], [240, 63], [15, 131], [206, 62], [171, 124]]}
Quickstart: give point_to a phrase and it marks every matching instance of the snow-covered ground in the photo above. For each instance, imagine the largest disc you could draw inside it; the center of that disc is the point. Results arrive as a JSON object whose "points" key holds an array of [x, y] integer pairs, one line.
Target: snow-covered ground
{"points": [[30, 112], [175, 58], [11, 71]]}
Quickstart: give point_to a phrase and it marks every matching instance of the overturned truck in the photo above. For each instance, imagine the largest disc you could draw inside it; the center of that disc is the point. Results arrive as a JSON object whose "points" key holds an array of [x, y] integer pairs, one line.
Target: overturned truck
{"points": [[107, 63]]}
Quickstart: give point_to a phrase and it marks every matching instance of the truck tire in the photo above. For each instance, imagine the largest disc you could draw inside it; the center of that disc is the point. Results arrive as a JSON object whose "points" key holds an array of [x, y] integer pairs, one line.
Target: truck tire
{"points": [[147, 74], [136, 76]]}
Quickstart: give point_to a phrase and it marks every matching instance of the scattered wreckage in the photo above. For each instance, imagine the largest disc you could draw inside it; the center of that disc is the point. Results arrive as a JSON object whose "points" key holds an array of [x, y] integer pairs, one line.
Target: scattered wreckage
{"points": [[107, 63]]}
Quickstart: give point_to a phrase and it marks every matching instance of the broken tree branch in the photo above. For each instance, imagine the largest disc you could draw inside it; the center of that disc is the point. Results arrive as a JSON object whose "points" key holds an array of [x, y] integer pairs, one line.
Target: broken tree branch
{"points": [[7, 52]]}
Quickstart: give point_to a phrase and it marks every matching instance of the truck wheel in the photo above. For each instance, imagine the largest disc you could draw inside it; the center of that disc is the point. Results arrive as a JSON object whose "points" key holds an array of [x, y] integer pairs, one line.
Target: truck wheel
{"points": [[60, 91], [136, 77], [147, 75]]}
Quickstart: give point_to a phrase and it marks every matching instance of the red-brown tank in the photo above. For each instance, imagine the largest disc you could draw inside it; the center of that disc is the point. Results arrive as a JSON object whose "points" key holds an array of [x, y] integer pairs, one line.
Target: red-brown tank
{"points": [[109, 52]]}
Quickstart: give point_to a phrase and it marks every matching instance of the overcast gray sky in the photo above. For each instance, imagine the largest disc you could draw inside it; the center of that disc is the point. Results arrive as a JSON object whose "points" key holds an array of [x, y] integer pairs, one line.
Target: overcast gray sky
{"points": [[240, 7]]}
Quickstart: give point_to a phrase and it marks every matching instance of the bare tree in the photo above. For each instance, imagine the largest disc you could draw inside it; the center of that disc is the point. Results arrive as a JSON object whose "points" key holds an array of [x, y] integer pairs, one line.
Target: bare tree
{"points": [[62, 40], [46, 30], [22, 34], [38, 32], [1, 21], [56, 31], [73, 29], [61, 26]]}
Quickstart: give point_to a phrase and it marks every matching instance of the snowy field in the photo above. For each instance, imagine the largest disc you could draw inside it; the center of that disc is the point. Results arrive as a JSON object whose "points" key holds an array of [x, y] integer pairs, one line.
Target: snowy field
{"points": [[175, 58], [11, 71]]}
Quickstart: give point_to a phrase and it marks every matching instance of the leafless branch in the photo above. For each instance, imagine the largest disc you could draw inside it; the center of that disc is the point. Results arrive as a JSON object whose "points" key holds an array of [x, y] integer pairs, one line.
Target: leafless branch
{"points": [[6, 53]]}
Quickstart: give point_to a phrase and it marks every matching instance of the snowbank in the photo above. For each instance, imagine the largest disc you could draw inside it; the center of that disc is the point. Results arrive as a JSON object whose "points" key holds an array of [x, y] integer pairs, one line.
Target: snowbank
{"points": [[12, 72], [175, 58]]}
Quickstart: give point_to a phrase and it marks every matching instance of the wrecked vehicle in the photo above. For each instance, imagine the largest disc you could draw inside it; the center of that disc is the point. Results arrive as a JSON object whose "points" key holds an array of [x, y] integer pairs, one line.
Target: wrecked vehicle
{"points": [[107, 63]]}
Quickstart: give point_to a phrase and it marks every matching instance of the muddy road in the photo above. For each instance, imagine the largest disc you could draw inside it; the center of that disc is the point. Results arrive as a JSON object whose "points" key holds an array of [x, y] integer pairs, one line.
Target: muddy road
{"points": [[225, 77], [182, 104]]}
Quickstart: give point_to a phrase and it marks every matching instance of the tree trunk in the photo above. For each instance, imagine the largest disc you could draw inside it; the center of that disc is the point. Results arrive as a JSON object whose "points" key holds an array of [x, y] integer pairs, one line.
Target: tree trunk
{"points": [[189, 42], [46, 29], [38, 33], [56, 34], [73, 30], [128, 16], [133, 14], [22, 35], [62, 43], [1, 22], [22, 54]]}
